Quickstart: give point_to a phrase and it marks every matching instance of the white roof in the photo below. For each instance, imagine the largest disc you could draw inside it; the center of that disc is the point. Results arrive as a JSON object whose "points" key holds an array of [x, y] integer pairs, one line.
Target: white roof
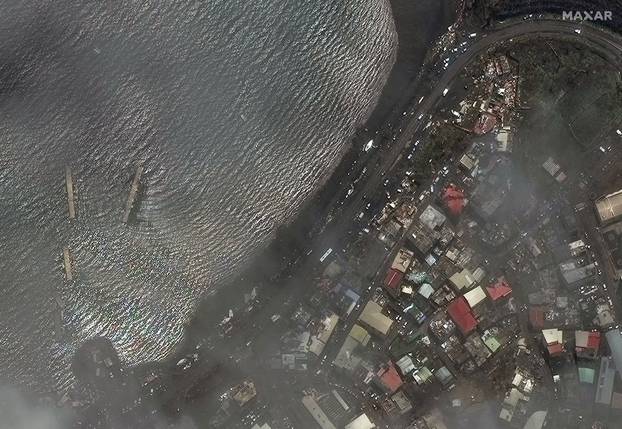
{"points": [[426, 290], [609, 206], [432, 218], [581, 338], [475, 296], [462, 279], [405, 364], [402, 260], [550, 166], [552, 336], [536, 421], [373, 317], [319, 341], [361, 422], [314, 409], [467, 162]]}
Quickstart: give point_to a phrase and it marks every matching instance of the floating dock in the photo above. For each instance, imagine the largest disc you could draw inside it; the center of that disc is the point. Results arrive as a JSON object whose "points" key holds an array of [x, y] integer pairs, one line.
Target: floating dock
{"points": [[67, 263], [133, 192], [70, 193]]}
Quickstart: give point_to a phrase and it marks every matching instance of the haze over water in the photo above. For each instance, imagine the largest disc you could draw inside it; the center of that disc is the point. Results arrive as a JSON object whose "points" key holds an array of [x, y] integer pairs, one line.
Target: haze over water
{"points": [[236, 109]]}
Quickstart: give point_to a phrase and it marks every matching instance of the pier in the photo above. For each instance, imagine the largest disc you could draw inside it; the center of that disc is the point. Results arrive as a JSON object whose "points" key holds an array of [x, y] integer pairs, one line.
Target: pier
{"points": [[70, 193], [133, 191], [67, 263], [59, 317]]}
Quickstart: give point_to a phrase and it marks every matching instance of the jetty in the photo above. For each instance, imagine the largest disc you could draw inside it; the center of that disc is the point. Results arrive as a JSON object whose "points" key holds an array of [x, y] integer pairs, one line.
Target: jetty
{"points": [[133, 192], [70, 193], [67, 263], [59, 317]]}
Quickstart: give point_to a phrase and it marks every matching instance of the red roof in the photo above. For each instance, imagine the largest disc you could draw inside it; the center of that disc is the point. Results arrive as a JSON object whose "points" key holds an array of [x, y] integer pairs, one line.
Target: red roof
{"points": [[593, 341], [499, 290], [485, 123], [460, 312], [555, 349], [390, 378], [393, 279], [454, 199], [536, 317]]}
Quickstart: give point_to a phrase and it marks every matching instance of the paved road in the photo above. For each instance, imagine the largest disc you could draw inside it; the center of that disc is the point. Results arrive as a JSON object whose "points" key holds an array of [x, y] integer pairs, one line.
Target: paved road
{"points": [[608, 43], [259, 328], [593, 37]]}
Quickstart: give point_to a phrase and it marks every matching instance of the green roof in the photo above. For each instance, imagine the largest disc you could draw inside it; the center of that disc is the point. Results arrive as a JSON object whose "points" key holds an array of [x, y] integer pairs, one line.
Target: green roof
{"points": [[586, 375], [492, 343]]}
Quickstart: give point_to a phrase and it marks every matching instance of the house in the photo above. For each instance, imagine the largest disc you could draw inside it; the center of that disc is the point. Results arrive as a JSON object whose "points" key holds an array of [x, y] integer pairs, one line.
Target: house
{"points": [[614, 340], [460, 312], [609, 207], [372, 317], [554, 340], [361, 422], [402, 260], [587, 343], [392, 281], [606, 377], [462, 279], [389, 379], [432, 218], [454, 199], [317, 413], [499, 290], [475, 296], [318, 341]]}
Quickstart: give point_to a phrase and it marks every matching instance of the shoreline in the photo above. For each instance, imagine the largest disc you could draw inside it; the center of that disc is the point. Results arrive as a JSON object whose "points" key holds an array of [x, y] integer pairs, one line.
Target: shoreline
{"points": [[288, 244], [270, 267], [274, 263]]}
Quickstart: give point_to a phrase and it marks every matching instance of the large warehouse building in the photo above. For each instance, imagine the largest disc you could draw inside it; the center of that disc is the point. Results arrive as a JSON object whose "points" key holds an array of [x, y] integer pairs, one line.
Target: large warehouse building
{"points": [[609, 207]]}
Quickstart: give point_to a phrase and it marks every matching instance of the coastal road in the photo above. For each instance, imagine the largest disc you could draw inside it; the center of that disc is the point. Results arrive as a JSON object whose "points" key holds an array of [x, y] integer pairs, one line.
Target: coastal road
{"points": [[259, 328], [379, 167]]}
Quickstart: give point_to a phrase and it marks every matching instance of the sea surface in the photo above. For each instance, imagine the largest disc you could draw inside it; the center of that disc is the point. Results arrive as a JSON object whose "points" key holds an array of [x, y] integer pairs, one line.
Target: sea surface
{"points": [[237, 110]]}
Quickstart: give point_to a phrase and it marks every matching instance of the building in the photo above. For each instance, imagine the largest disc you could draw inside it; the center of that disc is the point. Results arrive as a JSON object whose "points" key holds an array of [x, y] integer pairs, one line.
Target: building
{"points": [[402, 260], [389, 379], [612, 235], [361, 422], [475, 296], [554, 340], [372, 317], [360, 334], [614, 340], [318, 341], [317, 413], [462, 280], [244, 392], [606, 377], [609, 207], [432, 218], [454, 199], [392, 281], [574, 274], [347, 358], [403, 403], [503, 140], [499, 290], [460, 312], [477, 349], [587, 343]]}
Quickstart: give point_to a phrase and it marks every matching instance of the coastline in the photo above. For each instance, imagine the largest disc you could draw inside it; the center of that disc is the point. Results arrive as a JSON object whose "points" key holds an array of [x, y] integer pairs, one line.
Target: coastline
{"points": [[278, 258], [270, 268]]}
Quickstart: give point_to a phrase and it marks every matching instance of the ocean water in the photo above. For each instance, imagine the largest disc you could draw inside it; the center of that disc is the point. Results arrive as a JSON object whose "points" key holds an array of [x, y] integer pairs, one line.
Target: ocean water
{"points": [[237, 110]]}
